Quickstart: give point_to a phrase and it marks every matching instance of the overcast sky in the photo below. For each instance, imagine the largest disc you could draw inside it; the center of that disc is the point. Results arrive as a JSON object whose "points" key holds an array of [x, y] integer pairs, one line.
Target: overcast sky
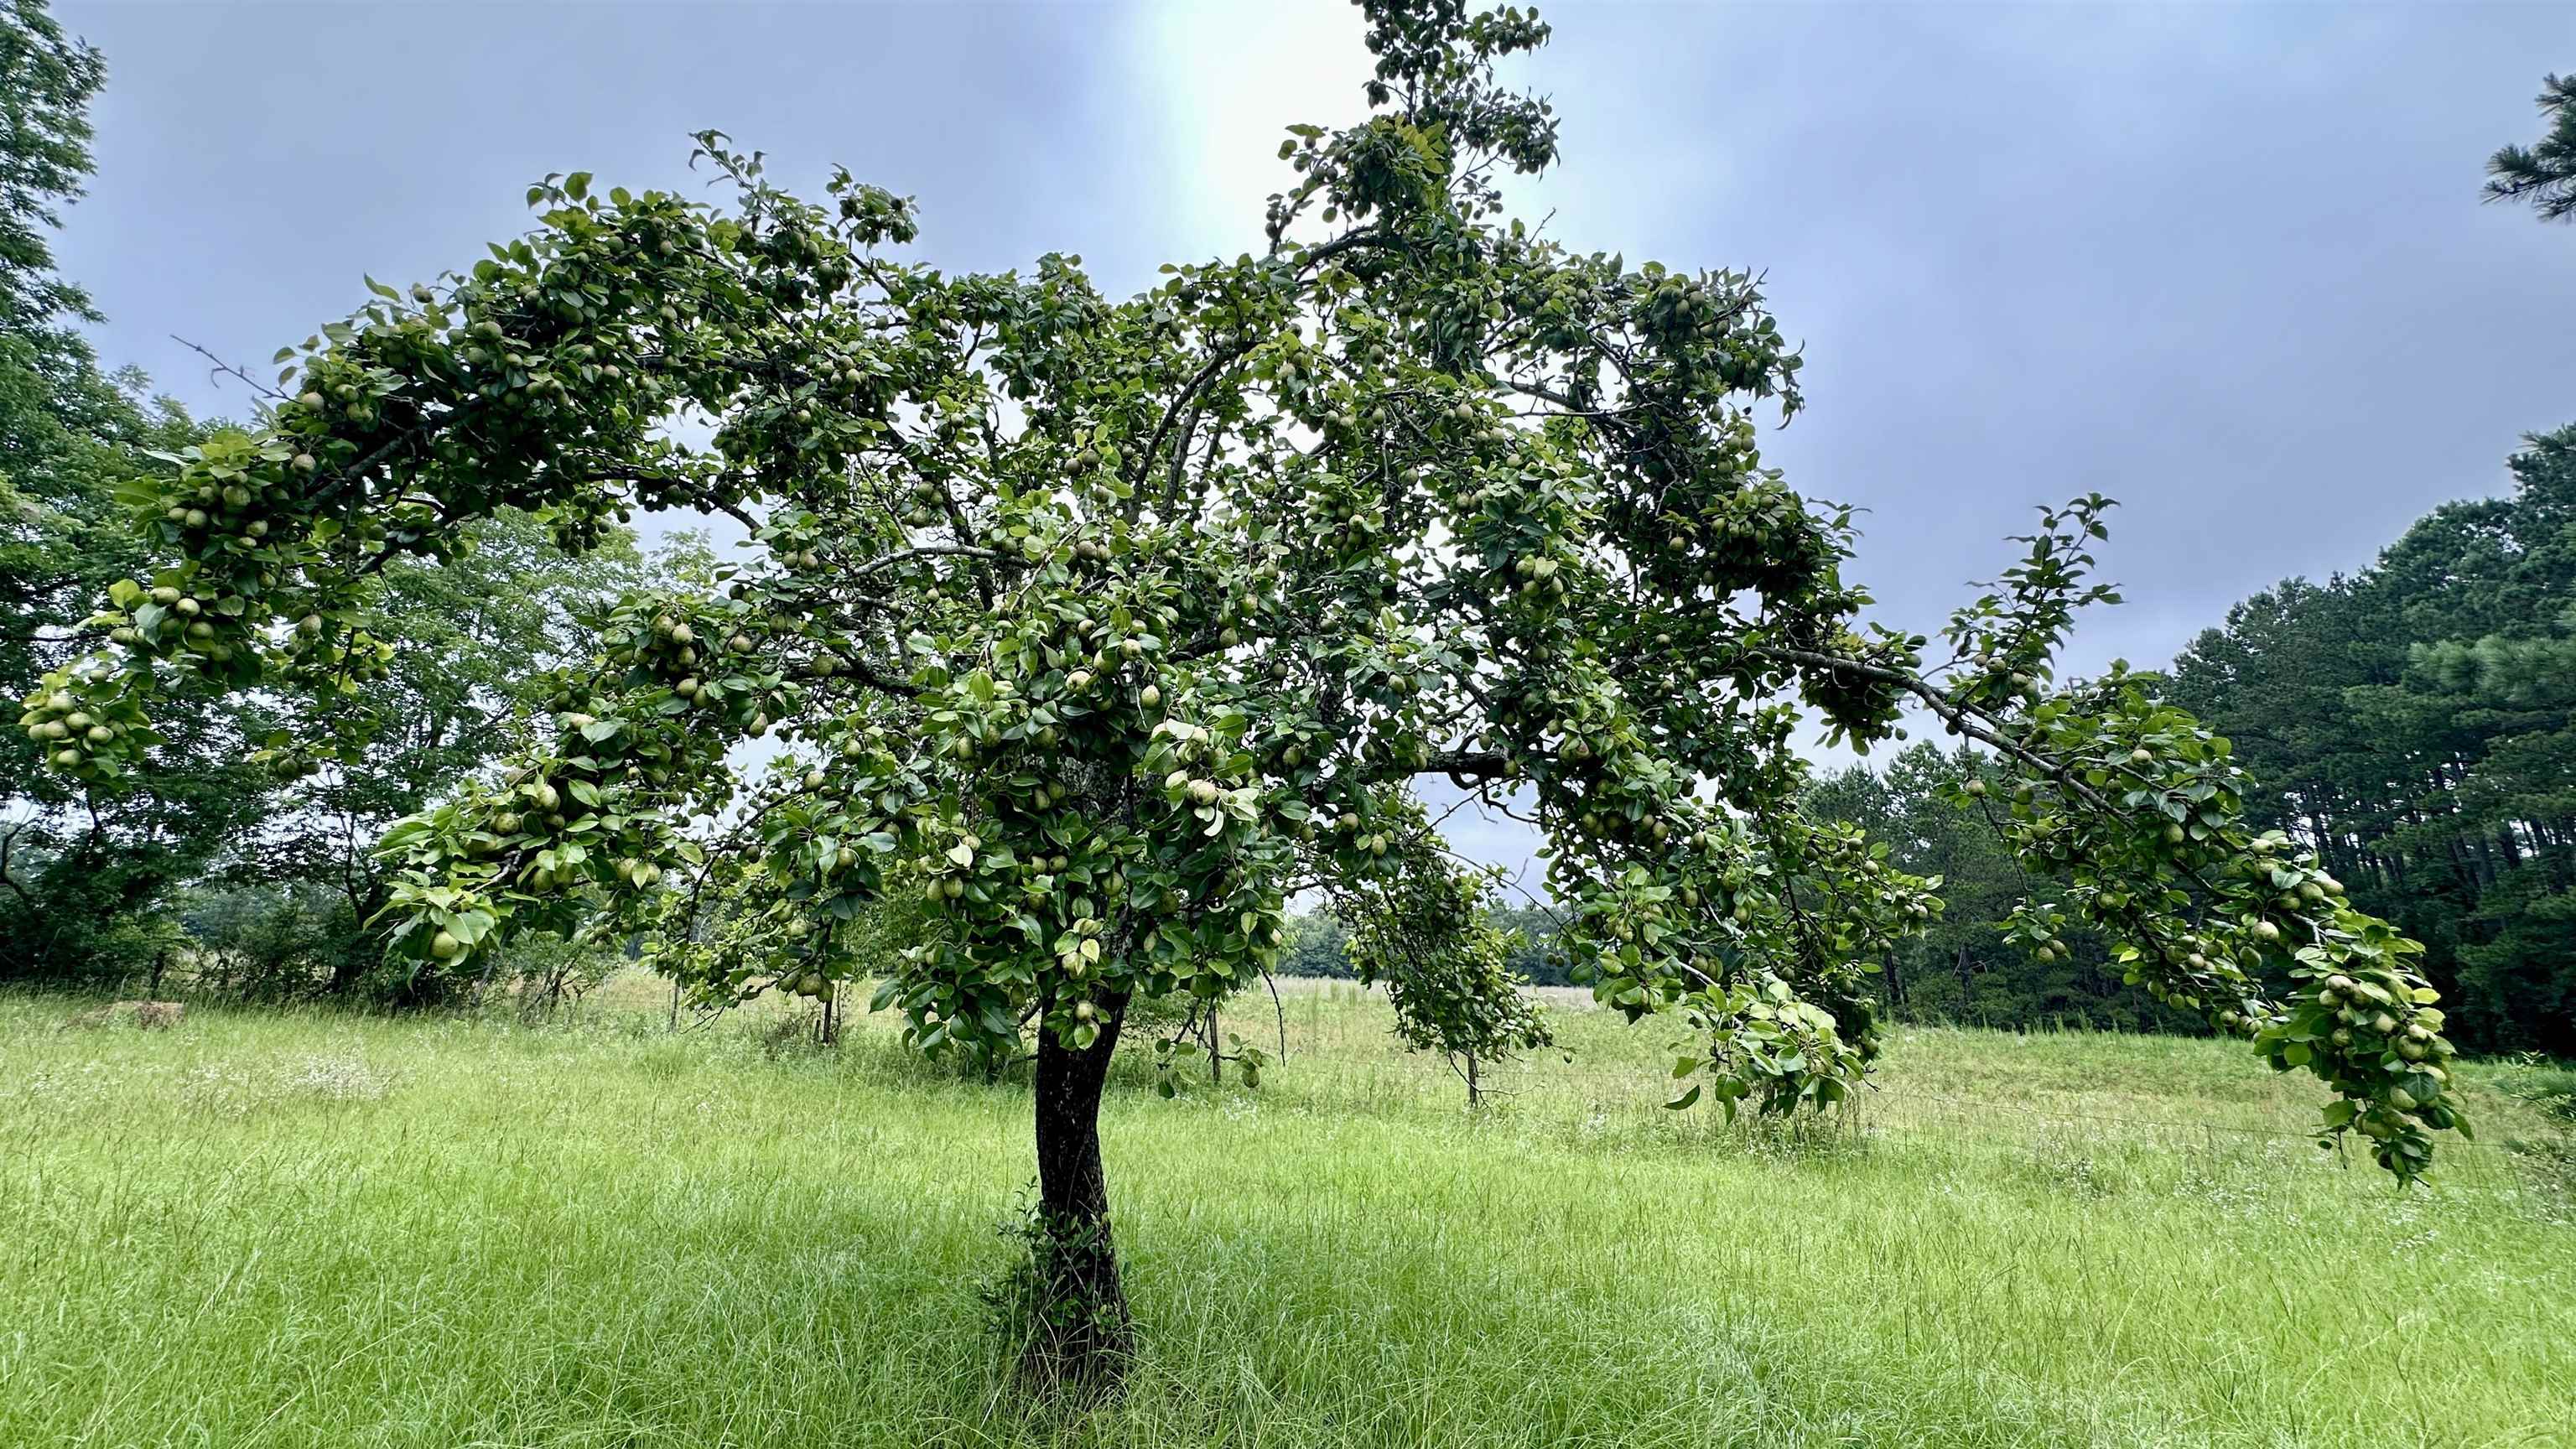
{"points": [[2226, 265]]}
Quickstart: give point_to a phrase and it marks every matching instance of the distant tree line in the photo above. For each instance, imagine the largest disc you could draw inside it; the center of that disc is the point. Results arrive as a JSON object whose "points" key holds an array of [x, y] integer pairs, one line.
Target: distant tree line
{"points": [[2414, 723]]}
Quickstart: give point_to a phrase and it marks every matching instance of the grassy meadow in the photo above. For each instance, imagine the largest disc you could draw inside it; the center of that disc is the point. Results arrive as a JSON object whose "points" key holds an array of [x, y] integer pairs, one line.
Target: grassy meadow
{"points": [[290, 1230]]}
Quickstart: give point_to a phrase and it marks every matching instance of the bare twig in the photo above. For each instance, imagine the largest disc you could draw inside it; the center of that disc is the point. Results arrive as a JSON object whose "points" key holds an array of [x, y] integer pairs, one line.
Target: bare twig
{"points": [[222, 367]]}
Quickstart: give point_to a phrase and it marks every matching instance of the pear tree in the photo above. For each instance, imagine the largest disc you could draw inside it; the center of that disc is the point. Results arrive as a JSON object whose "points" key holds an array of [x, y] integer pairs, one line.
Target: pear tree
{"points": [[1089, 632], [1425, 932]]}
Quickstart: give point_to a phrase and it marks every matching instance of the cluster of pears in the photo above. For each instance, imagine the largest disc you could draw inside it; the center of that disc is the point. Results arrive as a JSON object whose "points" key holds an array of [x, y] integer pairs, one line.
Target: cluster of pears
{"points": [[953, 869], [196, 622], [672, 648], [1672, 306], [1108, 657], [1373, 843], [68, 734], [925, 504], [2377, 1008], [1607, 821], [1192, 744], [1476, 424], [208, 511], [1536, 575], [1758, 535], [807, 982]]}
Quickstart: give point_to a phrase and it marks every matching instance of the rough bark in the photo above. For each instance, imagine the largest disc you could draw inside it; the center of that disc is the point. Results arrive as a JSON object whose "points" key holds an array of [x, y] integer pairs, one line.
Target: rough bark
{"points": [[1083, 1333]]}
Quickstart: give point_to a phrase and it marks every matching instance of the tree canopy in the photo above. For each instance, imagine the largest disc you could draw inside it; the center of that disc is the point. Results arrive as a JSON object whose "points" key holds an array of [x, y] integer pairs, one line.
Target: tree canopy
{"points": [[1095, 631]]}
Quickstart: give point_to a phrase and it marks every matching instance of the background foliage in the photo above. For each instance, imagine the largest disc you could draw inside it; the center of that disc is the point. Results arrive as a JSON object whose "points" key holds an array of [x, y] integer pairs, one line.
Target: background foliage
{"points": [[256, 864]]}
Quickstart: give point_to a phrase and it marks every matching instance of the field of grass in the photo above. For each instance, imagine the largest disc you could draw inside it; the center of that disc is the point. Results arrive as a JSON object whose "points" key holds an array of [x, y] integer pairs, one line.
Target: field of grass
{"points": [[322, 1230]]}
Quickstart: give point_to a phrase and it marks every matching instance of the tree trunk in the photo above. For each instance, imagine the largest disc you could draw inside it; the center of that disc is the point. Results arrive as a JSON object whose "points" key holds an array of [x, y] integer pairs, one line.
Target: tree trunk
{"points": [[1082, 1333], [1475, 1093]]}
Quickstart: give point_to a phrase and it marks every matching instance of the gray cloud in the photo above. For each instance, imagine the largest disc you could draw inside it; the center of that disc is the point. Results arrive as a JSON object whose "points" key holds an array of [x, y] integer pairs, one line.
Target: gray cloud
{"points": [[2226, 265]]}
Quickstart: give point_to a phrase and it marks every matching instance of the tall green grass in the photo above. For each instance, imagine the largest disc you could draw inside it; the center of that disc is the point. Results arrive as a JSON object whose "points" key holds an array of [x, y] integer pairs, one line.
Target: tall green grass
{"points": [[322, 1230]]}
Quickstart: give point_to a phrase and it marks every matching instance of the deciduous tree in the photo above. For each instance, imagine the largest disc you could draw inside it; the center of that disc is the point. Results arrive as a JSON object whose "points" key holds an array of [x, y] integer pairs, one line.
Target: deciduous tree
{"points": [[1094, 630], [1426, 931]]}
